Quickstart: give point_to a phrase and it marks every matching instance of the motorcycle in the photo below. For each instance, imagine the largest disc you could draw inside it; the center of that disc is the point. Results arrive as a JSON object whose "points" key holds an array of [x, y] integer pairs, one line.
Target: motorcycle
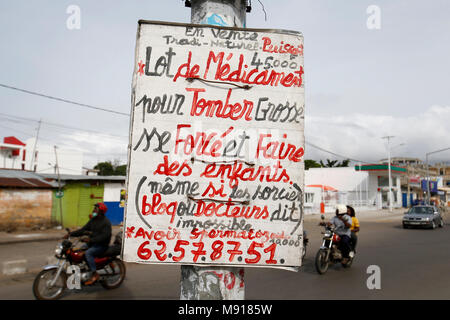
{"points": [[53, 280], [329, 252]]}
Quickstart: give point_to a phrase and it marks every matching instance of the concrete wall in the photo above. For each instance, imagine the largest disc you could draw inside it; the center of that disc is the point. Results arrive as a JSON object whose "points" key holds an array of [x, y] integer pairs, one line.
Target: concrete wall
{"points": [[373, 190], [8, 160], [354, 188], [112, 197], [112, 191], [28, 208]]}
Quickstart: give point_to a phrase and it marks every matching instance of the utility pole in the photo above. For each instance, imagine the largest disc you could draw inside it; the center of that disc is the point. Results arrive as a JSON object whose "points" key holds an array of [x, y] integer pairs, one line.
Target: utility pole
{"points": [[34, 147], [360, 189], [389, 166], [203, 283], [59, 188]]}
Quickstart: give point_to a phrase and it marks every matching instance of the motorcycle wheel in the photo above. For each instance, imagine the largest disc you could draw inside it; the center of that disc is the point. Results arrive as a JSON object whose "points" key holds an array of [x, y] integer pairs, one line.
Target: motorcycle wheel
{"points": [[114, 280], [41, 285], [322, 262]]}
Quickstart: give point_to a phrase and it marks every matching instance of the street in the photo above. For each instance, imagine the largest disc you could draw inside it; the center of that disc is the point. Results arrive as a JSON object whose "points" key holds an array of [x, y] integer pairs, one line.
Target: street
{"points": [[413, 265]]}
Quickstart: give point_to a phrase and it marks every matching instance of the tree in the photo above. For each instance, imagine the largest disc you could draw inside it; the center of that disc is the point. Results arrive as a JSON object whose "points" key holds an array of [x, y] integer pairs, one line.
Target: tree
{"points": [[121, 170], [335, 163], [330, 163], [106, 168], [111, 169], [312, 164], [344, 163]]}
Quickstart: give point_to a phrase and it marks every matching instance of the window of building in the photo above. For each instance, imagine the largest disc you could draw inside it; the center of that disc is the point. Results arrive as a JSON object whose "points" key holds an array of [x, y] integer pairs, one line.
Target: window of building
{"points": [[309, 197]]}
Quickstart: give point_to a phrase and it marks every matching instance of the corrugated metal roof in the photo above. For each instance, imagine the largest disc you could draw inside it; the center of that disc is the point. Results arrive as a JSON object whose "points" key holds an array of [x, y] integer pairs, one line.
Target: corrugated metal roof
{"points": [[23, 179], [29, 179], [66, 177]]}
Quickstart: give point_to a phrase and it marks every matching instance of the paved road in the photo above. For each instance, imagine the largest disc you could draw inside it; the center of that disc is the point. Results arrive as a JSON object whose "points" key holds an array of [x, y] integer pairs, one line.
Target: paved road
{"points": [[414, 264]]}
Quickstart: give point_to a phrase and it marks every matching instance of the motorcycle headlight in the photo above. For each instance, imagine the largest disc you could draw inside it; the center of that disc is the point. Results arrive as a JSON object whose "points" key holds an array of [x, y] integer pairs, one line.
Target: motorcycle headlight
{"points": [[327, 234], [58, 250]]}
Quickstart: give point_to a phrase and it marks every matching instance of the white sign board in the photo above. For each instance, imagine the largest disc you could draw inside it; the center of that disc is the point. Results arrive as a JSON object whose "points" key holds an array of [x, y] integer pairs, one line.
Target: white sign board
{"points": [[216, 147]]}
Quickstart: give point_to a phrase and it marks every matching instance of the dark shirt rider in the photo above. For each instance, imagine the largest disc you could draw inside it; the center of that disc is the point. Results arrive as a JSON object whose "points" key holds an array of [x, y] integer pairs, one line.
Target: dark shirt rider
{"points": [[99, 230]]}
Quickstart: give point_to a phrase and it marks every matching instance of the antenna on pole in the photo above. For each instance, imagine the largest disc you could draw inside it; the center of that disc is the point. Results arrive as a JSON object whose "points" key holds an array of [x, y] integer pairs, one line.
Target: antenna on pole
{"points": [[33, 155]]}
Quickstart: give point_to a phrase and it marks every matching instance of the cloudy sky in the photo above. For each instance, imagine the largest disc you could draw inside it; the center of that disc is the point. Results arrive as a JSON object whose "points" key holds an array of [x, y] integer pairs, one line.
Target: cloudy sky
{"points": [[361, 83]]}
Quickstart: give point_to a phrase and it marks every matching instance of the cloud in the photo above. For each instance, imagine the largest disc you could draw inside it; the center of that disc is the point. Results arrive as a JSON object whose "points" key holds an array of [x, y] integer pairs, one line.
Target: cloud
{"points": [[359, 136], [97, 147]]}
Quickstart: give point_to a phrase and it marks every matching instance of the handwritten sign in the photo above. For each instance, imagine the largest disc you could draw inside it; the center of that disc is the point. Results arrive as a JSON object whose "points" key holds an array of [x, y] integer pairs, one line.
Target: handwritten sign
{"points": [[216, 147]]}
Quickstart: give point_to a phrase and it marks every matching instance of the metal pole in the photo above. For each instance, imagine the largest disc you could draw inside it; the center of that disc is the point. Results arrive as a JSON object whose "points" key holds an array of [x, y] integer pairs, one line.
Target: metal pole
{"points": [[360, 190], [428, 181], [34, 147], [390, 178], [206, 283], [367, 190], [59, 188], [389, 168], [225, 13]]}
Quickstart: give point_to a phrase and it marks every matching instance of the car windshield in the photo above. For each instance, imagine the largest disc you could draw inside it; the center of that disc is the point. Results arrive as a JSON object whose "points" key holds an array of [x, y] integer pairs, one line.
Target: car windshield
{"points": [[421, 210]]}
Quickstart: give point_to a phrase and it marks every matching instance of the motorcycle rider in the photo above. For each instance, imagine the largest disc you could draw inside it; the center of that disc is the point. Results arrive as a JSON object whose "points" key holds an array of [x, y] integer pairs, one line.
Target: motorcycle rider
{"points": [[342, 223], [99, 230], [355, 226]]}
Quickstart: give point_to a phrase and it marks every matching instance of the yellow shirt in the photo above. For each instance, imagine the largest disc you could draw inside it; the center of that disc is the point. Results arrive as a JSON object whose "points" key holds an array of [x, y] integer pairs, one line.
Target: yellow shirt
{"points": [[355, 223]]}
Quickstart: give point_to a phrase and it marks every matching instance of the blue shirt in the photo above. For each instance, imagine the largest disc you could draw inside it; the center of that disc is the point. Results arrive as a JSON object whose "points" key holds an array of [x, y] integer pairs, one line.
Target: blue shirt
{"points": [[341, 229]]}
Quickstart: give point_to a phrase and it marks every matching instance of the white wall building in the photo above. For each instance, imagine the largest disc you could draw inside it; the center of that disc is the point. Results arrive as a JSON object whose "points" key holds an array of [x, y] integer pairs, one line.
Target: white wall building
{"points": [[326, 187], [364, 188], [69, 161], [8, 157]]}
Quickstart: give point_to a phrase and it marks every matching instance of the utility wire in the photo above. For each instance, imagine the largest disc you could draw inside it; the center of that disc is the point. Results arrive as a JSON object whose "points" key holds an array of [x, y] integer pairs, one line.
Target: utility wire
{"points": [[264, 9], [125, 114], [63, 100], [59, 125], [335, 154], [51, 140]]}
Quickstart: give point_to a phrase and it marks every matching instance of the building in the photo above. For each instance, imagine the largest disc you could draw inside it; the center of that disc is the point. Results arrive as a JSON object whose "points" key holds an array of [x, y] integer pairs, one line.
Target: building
{"points": [[414, 185], [442, 172], [25, 200], [90, 172], [405, 162], [327, 187], [364, 187], [40, 157], [379, 184], [12, 153], [75, 203]]}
